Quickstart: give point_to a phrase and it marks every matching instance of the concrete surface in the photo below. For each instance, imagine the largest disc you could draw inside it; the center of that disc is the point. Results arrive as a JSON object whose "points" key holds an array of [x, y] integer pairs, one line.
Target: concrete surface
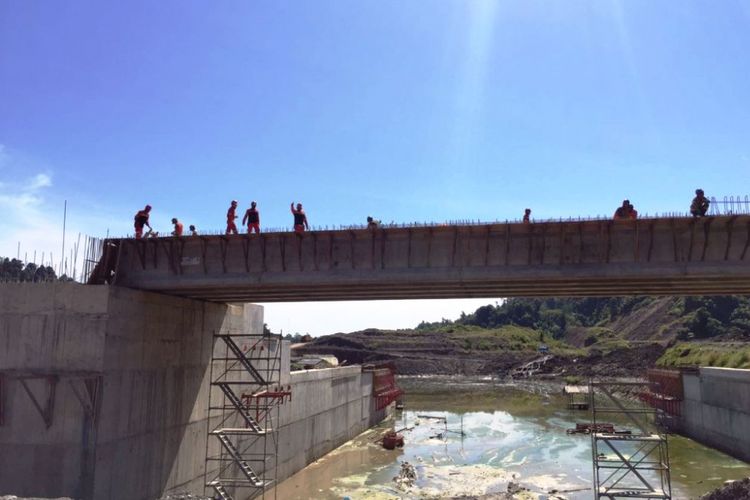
{"points": [[573, 258], [130, 372], [328, 408], [716, 409]]}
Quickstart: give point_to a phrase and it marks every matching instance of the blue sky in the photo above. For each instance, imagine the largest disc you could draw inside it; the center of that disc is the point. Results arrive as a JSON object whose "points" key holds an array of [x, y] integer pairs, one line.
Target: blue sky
{"points": [[409, 111]]}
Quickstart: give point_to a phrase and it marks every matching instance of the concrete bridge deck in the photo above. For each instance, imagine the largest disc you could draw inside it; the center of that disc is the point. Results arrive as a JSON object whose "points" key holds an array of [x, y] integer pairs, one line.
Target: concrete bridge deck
{"points": [[665, 256]]}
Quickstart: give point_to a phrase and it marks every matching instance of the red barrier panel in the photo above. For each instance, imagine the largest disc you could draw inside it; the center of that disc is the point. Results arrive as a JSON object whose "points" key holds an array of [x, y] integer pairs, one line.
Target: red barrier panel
{"points": [[384, 388], [666, 382], [667, 404]]}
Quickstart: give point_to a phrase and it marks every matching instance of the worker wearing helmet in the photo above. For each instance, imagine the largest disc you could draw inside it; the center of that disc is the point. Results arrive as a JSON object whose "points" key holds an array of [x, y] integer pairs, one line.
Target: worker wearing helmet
{"points": [[300, 219], [141, 219], [252, 218], [231, 227]]}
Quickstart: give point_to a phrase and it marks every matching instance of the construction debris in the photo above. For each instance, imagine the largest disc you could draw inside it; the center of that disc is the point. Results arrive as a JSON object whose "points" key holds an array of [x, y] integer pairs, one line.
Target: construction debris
{"points": [[406, 476]]}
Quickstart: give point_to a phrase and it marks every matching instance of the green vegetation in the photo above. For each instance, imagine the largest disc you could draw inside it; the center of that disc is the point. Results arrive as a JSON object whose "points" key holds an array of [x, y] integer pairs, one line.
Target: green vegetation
{"points": [[727, 355], [16, 270], [682, 317]]}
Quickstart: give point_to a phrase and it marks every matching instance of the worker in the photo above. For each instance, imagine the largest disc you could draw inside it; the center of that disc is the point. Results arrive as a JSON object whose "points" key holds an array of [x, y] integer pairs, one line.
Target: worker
{"points": [[527, 216], [177, 227], [699, 206], [231, 215], [632, 212], [141, 219], [252, 218], [193, 232], [372, 223], [300, 219], [623, 212]]}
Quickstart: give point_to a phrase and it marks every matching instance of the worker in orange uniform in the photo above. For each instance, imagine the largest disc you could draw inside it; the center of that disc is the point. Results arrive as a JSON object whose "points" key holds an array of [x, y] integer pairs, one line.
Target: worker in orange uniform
{"points": [[623, 212], [632, 212], [177, 227], [231, 215], [300, 219], [252, 218], [141, 219]]}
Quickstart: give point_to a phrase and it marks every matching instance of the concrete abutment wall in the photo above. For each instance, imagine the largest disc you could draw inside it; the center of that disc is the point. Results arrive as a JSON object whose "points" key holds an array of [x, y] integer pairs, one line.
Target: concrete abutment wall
{"points": [[122, 377], [716, 409]]}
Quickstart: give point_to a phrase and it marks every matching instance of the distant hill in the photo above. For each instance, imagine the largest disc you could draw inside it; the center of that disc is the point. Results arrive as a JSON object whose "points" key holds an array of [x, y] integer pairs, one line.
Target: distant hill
{"points": [[609, 336], [590, 320]]}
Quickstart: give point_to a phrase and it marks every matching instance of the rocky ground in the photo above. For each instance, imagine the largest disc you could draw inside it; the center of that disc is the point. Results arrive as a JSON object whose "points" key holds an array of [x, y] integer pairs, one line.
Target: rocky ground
{"points": [[735, 490]]}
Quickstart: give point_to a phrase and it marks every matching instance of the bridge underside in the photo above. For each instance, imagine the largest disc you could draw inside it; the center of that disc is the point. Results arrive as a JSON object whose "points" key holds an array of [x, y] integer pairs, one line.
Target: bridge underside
{"points": [[489, 289], [678, 256]]}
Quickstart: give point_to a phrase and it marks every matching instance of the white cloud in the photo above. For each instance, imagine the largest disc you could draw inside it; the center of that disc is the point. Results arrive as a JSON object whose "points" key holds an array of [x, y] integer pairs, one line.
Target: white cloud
{"points": [[31, 226], [39, 181]]}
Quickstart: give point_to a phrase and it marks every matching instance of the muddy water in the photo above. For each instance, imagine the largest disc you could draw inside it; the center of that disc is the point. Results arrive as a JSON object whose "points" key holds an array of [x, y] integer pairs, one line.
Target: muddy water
{"points": [[474, 437]]}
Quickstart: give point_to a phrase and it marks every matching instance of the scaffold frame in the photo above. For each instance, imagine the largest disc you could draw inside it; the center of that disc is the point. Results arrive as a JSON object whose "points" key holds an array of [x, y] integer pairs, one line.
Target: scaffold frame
{"points": [[629, 463], [245, 396]]}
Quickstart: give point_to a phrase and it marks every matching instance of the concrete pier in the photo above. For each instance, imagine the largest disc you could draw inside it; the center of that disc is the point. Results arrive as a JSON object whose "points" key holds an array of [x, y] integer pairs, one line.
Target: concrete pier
{"points": [[104, 393]]}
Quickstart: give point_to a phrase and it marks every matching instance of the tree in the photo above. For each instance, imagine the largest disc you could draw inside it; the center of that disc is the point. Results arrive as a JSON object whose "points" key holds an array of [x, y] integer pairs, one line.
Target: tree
{"points": [[15, 270]]}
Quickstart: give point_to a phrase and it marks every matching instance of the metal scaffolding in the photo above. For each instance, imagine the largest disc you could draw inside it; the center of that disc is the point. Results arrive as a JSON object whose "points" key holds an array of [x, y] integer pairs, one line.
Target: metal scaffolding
{"points": [[243, 414], [632, 462]]}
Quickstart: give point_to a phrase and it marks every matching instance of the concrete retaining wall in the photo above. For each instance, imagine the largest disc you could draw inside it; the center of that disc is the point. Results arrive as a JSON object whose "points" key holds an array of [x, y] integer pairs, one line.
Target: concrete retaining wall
{"points": [[328, 408], [140, 361], [716, 409]]}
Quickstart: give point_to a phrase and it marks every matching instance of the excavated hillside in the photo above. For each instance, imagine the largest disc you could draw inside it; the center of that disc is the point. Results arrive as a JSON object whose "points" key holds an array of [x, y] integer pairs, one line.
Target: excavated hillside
{"points": [[608, 337]]}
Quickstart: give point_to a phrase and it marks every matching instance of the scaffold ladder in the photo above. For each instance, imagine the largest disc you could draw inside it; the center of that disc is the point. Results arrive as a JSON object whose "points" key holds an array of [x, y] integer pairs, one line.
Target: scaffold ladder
{"points": [[241, 408], [245, 368]]}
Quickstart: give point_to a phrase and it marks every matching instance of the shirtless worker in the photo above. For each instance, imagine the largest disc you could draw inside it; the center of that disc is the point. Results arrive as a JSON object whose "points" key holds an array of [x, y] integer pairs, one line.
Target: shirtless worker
{"points": [[252, 218], [141, 219], [177, 227], [300, 219], [231, 227]]}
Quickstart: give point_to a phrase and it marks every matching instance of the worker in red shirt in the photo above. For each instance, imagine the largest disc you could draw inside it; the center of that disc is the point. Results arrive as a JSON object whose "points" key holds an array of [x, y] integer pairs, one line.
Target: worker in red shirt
{"points": [[177, 227], [141, 219], [231, 227], [252, 218], [300, 219]]}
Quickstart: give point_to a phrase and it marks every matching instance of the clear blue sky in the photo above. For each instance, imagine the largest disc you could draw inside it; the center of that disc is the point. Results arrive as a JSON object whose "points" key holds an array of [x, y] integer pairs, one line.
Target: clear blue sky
{"points": [[409, 111]]}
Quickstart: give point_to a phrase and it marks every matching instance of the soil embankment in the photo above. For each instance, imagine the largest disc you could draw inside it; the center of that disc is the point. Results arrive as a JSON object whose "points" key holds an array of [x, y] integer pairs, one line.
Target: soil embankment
{"points": [[497, 353]]}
